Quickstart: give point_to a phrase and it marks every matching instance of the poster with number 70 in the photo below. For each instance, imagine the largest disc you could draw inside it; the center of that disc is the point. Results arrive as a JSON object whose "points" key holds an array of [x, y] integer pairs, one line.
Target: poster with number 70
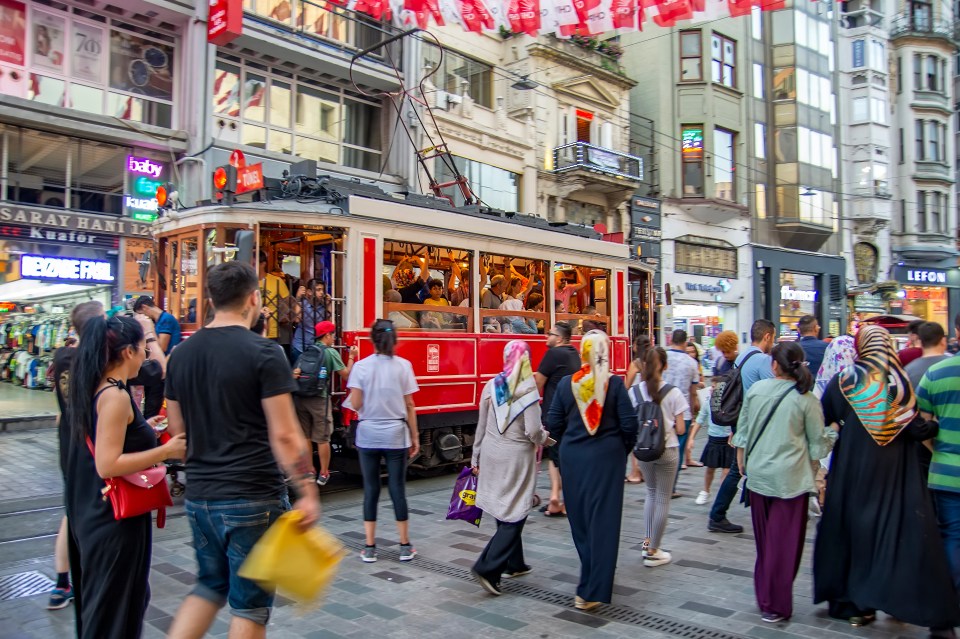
{"points": [[88, 52]]}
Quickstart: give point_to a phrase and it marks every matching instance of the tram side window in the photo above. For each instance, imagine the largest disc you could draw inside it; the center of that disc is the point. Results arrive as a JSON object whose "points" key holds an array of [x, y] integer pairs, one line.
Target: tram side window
{"points": [[581, 297], [419, 277], [512, 297]]}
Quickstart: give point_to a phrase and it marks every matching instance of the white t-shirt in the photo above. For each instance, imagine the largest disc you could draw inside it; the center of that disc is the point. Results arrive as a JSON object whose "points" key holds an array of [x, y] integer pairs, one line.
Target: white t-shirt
{"points": [[672, 405], [384, 381]]}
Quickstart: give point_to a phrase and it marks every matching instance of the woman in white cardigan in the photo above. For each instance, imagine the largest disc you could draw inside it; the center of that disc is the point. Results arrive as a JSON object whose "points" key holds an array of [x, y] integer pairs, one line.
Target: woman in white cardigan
{"points": [[505, 461]]}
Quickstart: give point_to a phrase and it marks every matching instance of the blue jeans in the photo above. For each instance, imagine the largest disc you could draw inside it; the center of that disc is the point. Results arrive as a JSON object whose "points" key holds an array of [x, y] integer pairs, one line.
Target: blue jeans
{"points": [[948, 514], [683, 449], [728, 490], [224, 532]]}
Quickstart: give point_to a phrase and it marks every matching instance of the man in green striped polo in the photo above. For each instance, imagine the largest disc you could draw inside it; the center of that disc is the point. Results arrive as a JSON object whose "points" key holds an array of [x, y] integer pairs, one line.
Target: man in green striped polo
{"points": [[938, 395]]}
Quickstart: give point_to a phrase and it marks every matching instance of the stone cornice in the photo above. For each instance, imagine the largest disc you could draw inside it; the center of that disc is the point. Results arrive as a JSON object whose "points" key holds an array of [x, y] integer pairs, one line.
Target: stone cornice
{"points": [[456, 129], [540, 50]]}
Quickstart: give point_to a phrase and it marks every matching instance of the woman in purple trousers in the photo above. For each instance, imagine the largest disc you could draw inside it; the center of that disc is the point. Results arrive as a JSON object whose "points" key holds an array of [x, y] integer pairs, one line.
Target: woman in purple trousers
{"points": [[779, 434]]}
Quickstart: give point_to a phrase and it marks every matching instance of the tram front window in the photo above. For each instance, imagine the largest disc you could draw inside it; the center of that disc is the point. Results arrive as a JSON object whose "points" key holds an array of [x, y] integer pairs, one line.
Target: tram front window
{"points": [[581, 298], [419, 277], [512, 299]]}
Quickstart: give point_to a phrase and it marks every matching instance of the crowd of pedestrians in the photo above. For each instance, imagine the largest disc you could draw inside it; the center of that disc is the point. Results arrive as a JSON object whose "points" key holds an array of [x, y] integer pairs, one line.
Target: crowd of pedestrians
{"points": [[850, 430]]}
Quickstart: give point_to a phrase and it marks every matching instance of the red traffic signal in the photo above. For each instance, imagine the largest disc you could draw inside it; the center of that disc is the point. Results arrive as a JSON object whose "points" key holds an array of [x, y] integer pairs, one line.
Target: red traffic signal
{"points": [[224, 182]]}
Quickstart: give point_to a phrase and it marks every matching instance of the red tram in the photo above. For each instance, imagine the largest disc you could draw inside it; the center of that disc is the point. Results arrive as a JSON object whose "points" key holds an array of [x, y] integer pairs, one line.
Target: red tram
{"points": [[362, 248]]}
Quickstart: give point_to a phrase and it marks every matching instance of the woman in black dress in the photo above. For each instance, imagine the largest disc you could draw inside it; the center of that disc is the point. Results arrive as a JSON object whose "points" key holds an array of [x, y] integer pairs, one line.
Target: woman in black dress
{"points": [[592, 418], [110, 578], [878, 546]]}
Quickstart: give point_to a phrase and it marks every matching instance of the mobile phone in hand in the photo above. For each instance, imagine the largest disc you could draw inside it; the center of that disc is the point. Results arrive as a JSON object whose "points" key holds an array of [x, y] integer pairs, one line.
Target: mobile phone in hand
{"points": [[550, 441]]}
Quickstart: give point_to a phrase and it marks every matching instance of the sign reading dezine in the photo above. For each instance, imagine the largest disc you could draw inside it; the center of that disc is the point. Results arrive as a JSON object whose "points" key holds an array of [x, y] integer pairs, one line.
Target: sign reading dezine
{"points": [[65, 269]]}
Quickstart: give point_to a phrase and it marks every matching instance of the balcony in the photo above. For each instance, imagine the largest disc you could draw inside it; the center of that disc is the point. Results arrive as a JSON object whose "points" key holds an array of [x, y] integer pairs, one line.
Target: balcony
{"points": [[581, 156], [922, 26], [933, 170]]}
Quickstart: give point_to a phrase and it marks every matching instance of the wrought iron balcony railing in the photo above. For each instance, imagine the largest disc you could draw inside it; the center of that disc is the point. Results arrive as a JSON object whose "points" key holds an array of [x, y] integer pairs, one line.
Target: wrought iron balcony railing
{"points": [[908, 23], [587, 157]]}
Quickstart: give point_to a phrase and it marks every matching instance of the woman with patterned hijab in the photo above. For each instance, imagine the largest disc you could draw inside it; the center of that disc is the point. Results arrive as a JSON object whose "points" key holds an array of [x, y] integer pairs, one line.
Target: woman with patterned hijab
{"points": [[505, 461], [878, 546], [596, 426]]}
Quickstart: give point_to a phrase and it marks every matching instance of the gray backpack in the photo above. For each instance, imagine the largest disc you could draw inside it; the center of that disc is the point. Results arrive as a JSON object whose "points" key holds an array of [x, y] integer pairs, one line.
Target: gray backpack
{"points": [[651, 432]]}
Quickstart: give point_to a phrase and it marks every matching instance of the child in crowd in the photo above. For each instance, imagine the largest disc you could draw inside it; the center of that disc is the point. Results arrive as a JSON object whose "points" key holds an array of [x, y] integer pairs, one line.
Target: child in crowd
{"points": [[717, 453]]}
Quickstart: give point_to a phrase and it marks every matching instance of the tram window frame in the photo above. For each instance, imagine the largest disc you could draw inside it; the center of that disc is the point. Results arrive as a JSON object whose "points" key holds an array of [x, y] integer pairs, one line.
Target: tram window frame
{"points": [[599, 283], [502, 318], [443, 263]]}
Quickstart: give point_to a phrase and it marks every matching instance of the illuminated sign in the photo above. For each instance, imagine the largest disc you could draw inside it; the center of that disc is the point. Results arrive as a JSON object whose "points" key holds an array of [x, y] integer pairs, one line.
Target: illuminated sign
{"points": [[144, 177], [692, 144], [45, 267], [927, 275], [790, 294]]}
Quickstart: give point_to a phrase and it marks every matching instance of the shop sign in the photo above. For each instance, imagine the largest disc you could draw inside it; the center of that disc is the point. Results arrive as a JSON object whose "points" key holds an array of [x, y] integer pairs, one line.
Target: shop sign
{"points": [[868, 303], [790, 294], [224, 21], [47, 267], [70, 221], [722, 286], [927, 276], [58, 236], [646, 233], [144, 177]]}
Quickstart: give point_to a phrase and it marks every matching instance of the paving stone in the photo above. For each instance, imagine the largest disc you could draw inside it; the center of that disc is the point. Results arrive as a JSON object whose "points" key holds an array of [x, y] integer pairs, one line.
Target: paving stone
{"points": [[499, 621], [704, 608], [385, 612], [689, 563], [343, 611], [701, 540], [352, 587], [392, 576], [468, 547], [322, 634]]}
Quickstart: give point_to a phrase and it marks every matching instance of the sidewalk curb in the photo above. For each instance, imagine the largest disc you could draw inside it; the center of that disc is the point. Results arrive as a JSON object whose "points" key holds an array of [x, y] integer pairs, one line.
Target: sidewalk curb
{"points": [[27, 422]]}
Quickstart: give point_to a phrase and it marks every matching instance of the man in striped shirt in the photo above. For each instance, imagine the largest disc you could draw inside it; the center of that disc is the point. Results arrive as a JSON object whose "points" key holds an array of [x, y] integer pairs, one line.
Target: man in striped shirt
{"points": [[938, 395]]}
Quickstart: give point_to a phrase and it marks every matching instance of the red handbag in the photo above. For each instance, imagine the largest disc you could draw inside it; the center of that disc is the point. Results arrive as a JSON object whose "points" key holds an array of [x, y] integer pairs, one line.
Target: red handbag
{"points": [[137, 493]]}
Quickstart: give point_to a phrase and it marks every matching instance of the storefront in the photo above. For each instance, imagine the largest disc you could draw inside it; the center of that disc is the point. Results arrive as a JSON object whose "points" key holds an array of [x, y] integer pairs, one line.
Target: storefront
{"points": [[706, 306], [790, 284], [928, 293], [52, 259]]}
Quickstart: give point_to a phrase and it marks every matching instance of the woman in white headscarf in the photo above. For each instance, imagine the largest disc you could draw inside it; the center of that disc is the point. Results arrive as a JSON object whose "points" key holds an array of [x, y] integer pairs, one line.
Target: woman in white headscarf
{"points": [[592, 418], [505, 460]]}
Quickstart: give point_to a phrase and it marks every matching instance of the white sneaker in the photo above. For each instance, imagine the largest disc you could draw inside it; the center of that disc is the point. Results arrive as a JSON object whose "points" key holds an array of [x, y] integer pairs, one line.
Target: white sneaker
{"points": [[702, 498], [658, 558]]}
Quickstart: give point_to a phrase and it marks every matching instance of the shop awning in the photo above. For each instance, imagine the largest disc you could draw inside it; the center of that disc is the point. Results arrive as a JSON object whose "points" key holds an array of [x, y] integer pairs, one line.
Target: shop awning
{"points": [[32, 291]]}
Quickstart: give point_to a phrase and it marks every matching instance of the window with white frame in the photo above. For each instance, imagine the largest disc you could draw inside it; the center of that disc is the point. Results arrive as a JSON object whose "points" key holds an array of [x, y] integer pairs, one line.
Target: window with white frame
{"points": [[878, 111], [460, 74], [876, 55], [496, 187], [88, 62], [921, 205], [723, 63], [294, 115]]}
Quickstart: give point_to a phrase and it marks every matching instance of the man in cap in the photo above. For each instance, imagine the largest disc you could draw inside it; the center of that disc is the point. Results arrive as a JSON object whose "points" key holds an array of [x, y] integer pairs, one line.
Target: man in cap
{"points": [[315, 411]]}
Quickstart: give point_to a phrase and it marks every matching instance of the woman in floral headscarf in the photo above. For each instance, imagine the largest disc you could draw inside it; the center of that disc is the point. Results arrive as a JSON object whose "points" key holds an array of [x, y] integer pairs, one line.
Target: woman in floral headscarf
{"points": [[878, 546], [592, 418], [505, 460]]}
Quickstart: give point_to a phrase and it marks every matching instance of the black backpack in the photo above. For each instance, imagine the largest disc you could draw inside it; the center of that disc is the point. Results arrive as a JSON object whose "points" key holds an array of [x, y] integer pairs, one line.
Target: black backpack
{"points": [[651, 433], [314, 378], [727, 396]]}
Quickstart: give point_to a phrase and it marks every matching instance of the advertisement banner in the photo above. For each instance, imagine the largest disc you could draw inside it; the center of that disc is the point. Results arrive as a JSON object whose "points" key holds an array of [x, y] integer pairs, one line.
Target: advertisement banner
{"points": [[13, 32], [48, 41], [88, 52], [225, 21], [141, 66], [139, 269]]}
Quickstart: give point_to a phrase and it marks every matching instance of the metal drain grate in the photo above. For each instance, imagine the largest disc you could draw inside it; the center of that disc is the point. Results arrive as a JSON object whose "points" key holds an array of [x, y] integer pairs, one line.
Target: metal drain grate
{"points": [[611, 612], [24, 584]]}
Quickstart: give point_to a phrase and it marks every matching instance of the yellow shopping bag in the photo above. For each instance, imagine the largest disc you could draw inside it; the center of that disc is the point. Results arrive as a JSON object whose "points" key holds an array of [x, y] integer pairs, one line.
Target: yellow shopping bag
{"points": [[299, 563]]}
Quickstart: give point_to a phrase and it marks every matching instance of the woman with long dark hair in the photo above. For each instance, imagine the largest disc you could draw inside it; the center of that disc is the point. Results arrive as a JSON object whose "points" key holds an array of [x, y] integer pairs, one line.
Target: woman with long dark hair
{"points": [[779, 434], [878, 547], [381, 392], [592, 418], [110, 577], [661, 473]]}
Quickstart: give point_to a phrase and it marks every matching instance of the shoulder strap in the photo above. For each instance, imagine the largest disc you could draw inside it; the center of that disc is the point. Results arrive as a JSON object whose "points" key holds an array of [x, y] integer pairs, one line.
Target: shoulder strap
{"points": [[767, 421], [745, 358]]}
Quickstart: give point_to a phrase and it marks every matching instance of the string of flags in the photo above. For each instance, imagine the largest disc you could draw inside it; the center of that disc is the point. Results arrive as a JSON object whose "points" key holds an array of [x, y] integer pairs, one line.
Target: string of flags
{"points": [[563, 18]]}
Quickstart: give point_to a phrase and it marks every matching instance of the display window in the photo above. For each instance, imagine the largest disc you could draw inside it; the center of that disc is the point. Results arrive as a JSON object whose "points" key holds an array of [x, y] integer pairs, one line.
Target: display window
{"points": [[799, 296], [89, 62], [926, 302]]}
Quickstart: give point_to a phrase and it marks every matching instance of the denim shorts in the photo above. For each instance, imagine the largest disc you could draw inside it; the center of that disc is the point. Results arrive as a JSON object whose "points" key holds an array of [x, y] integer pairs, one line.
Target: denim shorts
{"points": [[224, 532]]}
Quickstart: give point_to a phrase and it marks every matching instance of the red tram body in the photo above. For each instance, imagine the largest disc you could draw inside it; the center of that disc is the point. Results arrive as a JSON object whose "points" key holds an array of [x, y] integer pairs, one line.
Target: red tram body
{"points": [[357, 245]]}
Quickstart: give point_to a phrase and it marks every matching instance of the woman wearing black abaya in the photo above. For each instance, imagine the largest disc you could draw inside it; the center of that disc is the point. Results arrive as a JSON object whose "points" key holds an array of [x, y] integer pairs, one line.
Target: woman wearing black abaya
{"points": [[592, 418], [878, 546]]}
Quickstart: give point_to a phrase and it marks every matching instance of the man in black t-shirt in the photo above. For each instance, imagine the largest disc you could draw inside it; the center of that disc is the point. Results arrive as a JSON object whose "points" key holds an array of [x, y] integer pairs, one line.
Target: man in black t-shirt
{"points": [[560, 360], [229, 390]]}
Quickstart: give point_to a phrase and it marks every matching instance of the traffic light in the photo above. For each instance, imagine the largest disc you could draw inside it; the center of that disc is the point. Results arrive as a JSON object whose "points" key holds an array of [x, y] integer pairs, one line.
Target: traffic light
{"points": [[167, 197], [224, 183]]}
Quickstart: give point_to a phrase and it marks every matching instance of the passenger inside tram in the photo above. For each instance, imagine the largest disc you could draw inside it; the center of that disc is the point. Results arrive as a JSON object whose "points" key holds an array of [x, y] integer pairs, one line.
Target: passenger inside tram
{"points": [[565, 287], [441, 281]]}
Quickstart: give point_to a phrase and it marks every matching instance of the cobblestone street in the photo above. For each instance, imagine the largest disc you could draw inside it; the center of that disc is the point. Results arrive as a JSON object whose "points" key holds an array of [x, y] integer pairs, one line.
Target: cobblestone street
{"points": [[707, 592]]}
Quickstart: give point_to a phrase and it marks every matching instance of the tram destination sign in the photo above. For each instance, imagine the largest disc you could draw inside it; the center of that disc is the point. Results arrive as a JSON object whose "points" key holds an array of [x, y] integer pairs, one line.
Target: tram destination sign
{"points": [[69, 221]]}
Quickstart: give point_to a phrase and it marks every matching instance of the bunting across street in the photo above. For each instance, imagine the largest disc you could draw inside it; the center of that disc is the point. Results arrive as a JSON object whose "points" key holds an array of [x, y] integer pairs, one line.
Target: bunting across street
{"points": [[563, 18]]}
